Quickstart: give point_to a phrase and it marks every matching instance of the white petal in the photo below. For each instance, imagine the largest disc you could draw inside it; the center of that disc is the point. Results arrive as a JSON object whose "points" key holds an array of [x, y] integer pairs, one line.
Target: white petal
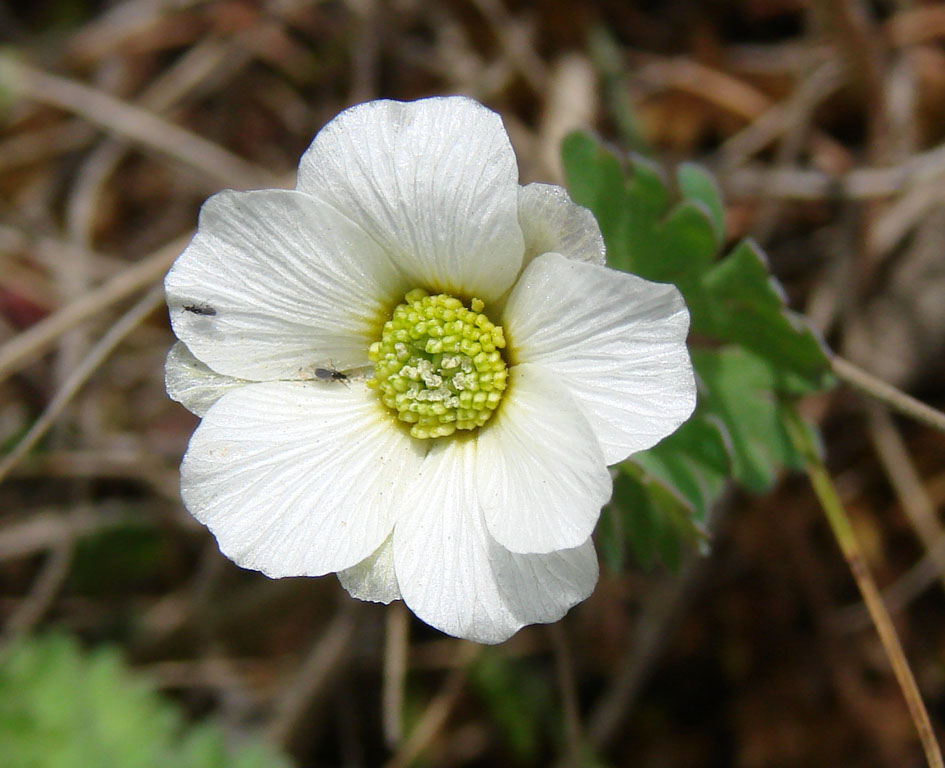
{"points": [[434, 182], [540, 589], [541, 475], [191, 383], [441, 552], [275, 283], [617, 342], [552, 222], [455, 577], [373, 579], [298, 479]]}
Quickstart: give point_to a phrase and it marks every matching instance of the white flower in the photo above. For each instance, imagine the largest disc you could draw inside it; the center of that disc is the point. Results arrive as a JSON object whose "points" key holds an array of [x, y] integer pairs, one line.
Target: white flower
{"points": [[333, 336]]}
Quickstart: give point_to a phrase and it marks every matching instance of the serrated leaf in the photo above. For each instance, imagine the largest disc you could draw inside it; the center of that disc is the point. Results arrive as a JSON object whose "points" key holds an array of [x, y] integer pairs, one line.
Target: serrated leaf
{"points": [[643, 234], [596, 181], [741, 390], [63, 708], [610, 538], [517, 699], [696, 183], [748, 306], [647, 188], [735, 299], [667, 245], [656, 522], [694, 460], [769, 352], [676, 248], [630, 505]]}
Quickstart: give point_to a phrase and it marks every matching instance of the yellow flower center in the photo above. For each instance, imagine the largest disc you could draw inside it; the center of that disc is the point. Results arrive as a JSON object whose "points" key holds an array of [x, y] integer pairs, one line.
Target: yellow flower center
{"points": [[438, 364]]}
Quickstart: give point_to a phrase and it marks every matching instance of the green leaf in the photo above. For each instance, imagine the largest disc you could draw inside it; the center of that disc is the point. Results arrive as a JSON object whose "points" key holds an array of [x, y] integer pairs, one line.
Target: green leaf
{"points": [[644, 235], [748, 306], [646, 189], [694, 460], [517, 697], [675, 249], [741, 390], [633, 513], [63, 708], [665, 245], [696, 183], [656, 523], [596, 181], [610, 537], [733, 300], [760, 352]]}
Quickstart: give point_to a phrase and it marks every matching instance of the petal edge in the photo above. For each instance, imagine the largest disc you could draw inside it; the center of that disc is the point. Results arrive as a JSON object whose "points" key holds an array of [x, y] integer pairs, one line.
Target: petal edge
{"points": [[617, 341], [297, 479], [435, 184]]}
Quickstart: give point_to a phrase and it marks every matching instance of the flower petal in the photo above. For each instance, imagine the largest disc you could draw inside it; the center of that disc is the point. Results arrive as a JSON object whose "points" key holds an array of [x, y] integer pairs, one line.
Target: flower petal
{"points": [[298, 479], [434, 182], [373, 579], [191, 383], [457, 578], [275, 283], [617, 342], [542, 588], [552, 222], [441, 552], [541, 475]]}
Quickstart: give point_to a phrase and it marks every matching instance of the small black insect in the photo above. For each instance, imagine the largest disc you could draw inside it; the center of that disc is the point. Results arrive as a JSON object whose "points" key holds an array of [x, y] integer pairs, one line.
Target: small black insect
{"points": [[330, 374], [199, 309]]}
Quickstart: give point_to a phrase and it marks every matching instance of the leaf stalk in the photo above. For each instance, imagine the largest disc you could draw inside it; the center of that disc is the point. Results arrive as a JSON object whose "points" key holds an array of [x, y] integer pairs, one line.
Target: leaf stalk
{"points": [[843, 532]]}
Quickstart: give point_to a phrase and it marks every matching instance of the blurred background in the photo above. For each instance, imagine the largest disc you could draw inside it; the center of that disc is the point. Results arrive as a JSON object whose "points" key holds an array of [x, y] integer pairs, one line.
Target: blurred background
{"points": [[824, 122]]}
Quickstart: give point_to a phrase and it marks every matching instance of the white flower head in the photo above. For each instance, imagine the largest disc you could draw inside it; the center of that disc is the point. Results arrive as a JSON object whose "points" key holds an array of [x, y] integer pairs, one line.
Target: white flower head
{"points": [[414, 372]]}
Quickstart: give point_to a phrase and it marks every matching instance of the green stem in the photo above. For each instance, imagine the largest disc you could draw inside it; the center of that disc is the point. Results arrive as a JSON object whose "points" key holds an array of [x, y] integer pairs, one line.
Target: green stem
{"points": [[843, 532]]}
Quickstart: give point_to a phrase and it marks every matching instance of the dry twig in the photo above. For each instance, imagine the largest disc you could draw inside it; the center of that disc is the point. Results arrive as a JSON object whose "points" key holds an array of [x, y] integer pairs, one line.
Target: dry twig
{"points": [[323, 660], [80, 375], [396, 648], [133, 123], [846, 539], [23, 349], [888, 394], [436, 713], [915, 501]]}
